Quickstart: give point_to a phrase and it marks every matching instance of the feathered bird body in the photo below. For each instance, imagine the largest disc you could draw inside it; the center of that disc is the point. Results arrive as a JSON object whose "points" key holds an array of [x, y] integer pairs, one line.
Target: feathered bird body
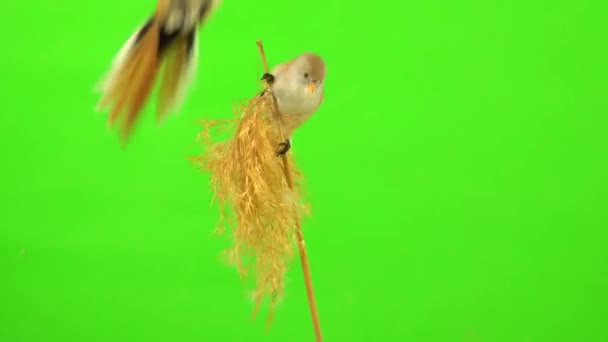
{"points": [[167, 40], [298, 86]]}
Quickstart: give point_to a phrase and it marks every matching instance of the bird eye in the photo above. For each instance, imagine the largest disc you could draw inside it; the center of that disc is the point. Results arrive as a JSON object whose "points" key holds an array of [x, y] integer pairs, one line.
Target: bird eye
{"points": [[305, 75]]}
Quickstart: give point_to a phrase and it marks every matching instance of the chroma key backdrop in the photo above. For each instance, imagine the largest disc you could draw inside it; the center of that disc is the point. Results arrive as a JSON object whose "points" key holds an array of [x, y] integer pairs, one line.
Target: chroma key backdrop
{"points": [[457, 173]]}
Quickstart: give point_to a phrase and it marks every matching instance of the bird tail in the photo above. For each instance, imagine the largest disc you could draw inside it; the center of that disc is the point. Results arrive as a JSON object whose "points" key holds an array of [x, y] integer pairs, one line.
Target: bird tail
{"points": [[180, 62], [131, 78], [151, 51], [180, 65]]}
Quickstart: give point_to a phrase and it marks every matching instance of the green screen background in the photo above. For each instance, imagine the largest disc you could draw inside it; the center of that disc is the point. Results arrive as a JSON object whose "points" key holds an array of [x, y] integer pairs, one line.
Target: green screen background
{"points": [[457, 173]]}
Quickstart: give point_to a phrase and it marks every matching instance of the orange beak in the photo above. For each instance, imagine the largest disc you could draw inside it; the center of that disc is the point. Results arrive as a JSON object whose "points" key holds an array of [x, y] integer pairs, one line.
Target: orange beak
{"points": [[312, 86]]}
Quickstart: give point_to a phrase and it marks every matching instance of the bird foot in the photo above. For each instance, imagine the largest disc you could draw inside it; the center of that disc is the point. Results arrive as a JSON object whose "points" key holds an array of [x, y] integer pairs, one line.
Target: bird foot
{"points": [[284, 147], [268, 78]]}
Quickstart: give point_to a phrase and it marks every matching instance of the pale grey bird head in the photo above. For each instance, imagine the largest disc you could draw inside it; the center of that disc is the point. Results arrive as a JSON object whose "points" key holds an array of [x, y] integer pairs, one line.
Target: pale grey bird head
{"points": [[308, 71]]}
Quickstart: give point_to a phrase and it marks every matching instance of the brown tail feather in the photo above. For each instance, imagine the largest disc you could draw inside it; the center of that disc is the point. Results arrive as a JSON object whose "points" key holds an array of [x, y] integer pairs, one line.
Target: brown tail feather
{"points": [[131, 83], [115, 88], [147, 69], [120, 91], [131, 80], [173, 74], [122, 71]]}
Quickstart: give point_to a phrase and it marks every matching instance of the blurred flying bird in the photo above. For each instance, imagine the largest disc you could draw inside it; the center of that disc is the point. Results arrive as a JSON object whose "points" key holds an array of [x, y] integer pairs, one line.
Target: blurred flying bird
{"points": [[167, 41]]}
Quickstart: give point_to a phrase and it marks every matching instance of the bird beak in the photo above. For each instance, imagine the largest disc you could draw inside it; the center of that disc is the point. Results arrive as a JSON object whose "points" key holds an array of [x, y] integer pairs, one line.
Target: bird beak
{"points": [[312, 86]]}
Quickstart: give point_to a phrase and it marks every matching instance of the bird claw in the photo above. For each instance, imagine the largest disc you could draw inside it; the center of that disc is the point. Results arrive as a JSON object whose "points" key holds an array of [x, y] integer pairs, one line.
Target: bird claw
{"points": [[285, 146], [268, 78]]}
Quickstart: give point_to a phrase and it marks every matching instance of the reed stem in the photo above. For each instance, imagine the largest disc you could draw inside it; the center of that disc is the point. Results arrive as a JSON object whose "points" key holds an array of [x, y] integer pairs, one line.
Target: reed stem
{"points": [[300, 235]]}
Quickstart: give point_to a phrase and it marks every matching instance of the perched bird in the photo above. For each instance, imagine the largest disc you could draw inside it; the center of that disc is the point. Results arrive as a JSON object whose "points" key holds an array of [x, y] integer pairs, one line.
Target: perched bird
{"points": [[166, 40], [298, 86]]}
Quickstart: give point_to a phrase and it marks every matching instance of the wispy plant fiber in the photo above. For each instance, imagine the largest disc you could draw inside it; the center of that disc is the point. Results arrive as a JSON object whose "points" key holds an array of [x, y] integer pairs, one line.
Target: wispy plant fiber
{"points": [[256, 204]]}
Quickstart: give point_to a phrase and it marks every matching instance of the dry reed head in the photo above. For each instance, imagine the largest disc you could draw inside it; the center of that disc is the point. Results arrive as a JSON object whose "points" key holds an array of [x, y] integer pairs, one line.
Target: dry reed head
{"points": [[249, 184]]}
